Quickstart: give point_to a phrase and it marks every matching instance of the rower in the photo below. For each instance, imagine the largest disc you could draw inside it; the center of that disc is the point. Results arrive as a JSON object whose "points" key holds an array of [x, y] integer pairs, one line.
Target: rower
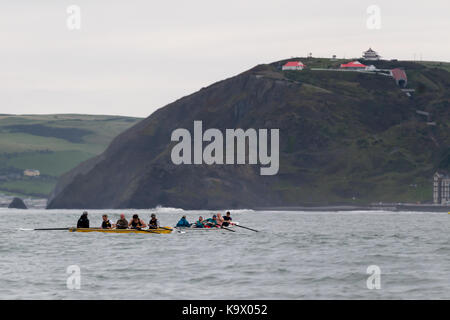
{"points": [[153, 223], [199, 223], [227, 219], [211, 222], [220, 220], [106, 224], [137, 223], [122, 223], [83, 222], [183, 223]]}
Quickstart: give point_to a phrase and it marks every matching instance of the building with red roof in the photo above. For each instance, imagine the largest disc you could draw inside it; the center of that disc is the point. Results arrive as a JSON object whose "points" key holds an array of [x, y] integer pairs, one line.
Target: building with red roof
{"points": [[293, 65], [400, 77], [354, 65]]}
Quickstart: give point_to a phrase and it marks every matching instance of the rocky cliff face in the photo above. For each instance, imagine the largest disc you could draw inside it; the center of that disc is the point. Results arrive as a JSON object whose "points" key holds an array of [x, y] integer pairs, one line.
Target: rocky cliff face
{"points": [[344, 137]]}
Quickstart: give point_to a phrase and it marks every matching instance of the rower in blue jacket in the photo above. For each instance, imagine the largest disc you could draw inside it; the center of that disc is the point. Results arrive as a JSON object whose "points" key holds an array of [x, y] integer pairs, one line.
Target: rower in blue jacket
{"points": [[183, 223]]}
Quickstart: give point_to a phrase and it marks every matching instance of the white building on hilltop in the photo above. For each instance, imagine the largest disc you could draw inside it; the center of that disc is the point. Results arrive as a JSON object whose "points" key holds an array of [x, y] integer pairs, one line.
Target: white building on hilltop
{"points": [[441, 188], [371, 55]]}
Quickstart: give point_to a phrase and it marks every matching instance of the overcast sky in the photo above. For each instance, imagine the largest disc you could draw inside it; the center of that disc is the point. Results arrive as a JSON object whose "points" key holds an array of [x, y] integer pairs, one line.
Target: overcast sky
{"points": [[132, 57]]}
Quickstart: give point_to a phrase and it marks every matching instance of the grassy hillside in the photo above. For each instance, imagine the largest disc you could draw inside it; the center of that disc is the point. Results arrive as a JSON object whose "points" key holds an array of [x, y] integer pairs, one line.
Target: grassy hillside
{"points": [[52, 144], [386, 152]]}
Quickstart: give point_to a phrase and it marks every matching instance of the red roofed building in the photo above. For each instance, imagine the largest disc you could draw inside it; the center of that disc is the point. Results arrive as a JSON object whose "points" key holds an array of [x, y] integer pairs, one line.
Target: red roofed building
{"points": [[354, 65], [293, 65], [400, 77]]}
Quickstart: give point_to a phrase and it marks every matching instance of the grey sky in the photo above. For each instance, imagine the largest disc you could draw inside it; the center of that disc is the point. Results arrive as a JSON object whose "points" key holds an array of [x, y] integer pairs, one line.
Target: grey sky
{"points": [[132, 57]]}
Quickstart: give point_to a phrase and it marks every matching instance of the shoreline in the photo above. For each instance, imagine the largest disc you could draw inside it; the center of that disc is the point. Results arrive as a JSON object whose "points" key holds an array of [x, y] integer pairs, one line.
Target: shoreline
{"points": [[384, 207]]}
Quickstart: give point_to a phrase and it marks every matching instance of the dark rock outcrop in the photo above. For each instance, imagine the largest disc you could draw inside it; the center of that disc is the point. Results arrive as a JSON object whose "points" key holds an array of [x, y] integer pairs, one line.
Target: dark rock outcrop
{"points": [[17, 203], [344, 137]]}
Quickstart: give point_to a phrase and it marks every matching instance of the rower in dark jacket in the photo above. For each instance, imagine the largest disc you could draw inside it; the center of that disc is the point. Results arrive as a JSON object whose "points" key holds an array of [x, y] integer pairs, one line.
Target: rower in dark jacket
{"points": [[106, 224], [227, 220], [83, 222], [153, 223]]}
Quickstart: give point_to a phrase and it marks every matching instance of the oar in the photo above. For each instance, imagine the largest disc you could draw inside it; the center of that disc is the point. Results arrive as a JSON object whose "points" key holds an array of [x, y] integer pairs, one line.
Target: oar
{"points": [[44, 229], [237, 225], [150, 231], [165, 228], [228, 229], [154, 231]]}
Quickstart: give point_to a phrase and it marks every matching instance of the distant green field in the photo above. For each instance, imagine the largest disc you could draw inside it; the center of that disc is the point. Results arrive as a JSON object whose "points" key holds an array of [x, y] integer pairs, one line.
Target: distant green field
{"points": [[52, 144]]}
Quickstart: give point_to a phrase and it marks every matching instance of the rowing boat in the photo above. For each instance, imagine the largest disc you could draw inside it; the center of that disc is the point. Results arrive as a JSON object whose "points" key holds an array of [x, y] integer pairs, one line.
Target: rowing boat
{"points": [[159, 230], [204, 229]]}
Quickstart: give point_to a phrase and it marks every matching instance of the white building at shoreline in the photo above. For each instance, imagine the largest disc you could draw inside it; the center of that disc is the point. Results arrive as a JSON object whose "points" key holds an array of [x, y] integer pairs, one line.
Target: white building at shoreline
{"points": [[441, 188]]}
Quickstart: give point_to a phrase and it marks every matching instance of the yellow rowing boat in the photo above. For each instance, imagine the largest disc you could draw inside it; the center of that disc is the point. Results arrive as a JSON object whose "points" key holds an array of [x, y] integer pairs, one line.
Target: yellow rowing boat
{"points": [[159, 230]]}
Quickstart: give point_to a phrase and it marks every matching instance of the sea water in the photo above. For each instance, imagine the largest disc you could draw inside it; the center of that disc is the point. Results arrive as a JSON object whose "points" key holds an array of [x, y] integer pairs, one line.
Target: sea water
{"points": [[296, 255]]}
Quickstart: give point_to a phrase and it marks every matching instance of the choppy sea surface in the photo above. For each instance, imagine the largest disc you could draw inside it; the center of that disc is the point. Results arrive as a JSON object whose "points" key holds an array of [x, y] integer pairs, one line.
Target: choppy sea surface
{"points": [[296, 255]]}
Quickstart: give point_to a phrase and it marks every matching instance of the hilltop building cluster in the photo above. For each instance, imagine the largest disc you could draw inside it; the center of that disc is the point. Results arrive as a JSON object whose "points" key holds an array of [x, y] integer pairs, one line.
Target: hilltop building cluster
{"points": [[399, 75]]}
